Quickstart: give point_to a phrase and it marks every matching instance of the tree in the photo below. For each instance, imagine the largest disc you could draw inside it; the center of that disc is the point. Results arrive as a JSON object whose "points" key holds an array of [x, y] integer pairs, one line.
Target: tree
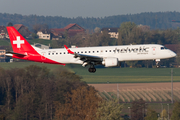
{"points": [[9, 24], [38, 27], [138, 109], [151, 115], [164, 114], [109, 110], [80, 104], [126, 33], [176, 111], [131, 63], [104, 38], [97, 30]]}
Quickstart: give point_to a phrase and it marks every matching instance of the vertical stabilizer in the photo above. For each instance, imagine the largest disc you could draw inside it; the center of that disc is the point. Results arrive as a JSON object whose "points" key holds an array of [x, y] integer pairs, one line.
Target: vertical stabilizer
{"points": [[18, 42]]}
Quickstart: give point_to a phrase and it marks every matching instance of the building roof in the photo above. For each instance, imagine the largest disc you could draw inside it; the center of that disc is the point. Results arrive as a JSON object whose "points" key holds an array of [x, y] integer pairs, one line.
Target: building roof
{"points": [[74, 26], [72, 29], [17, 26]]}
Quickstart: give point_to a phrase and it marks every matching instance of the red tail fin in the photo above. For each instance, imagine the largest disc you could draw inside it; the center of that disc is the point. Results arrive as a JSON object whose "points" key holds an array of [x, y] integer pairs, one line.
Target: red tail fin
{"points": [[18, 42]]}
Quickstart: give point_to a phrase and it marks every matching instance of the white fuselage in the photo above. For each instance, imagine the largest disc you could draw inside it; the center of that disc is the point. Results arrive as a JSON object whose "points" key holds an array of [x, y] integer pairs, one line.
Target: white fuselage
{"points": [[122, 53]]}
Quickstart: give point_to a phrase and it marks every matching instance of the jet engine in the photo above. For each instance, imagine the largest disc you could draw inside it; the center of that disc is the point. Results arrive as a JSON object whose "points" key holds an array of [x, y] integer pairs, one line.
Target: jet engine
{"points": [[110, 62]]}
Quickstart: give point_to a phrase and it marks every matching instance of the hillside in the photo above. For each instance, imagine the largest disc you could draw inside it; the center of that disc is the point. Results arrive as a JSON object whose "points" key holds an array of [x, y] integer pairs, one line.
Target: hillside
{"points": [[156, 20]]}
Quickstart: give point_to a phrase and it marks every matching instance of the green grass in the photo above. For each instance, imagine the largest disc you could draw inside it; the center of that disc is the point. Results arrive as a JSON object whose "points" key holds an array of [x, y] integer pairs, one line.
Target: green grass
{"points": [[128, 75], [4, 43], [41, 41], [111, 75]]}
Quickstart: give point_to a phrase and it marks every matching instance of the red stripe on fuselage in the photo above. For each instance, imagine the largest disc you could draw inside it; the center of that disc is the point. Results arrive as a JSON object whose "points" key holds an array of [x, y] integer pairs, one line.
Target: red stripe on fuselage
{"points": [[37, 58]]}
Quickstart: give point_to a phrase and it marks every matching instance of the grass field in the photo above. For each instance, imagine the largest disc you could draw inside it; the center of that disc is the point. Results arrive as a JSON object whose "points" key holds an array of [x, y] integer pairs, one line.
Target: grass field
{"points": [[4, 43], [111, 75]]}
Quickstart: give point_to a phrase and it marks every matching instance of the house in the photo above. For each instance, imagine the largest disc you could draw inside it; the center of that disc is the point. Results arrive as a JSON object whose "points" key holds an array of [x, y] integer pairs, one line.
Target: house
{"points": [[113, 32], [3, 33], [2, 55], [23, 30], [70, 31], [44, 34]]}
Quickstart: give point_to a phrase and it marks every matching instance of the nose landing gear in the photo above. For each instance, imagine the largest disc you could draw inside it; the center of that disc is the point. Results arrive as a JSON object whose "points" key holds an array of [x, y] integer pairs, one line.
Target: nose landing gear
{"points": [[157, 63]]}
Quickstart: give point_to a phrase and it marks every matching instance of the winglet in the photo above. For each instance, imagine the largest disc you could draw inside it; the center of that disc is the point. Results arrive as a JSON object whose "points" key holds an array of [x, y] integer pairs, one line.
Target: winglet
{"points": [[69, 51]]}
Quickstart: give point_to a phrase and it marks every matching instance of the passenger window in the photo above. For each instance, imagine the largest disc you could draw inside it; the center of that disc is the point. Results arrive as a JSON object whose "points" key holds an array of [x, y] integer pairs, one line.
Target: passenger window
{"points": [[56, 53], [60, 52], [85, 51], [109, 50], [49, 53], [93, 51], [97, 51], [64, 52], [52, 53], [89, 51], [106, 50], [81, 51]]}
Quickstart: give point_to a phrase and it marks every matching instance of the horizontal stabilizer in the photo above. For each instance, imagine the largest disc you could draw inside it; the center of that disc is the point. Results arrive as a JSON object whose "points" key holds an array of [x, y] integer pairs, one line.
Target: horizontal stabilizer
{"points": [[18, 54]]}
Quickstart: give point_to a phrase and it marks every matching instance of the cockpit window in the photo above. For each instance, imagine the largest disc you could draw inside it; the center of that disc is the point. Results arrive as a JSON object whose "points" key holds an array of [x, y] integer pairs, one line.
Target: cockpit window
{"points": [[162, 48]]}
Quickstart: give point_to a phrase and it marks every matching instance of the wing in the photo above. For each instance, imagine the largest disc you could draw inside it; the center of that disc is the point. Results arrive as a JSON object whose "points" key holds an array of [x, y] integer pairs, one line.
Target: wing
{"points": [[84, 57]]}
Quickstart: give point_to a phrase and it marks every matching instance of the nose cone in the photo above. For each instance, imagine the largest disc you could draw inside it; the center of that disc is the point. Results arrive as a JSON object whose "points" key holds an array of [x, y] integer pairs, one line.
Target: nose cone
{"points": [[173, 54]]}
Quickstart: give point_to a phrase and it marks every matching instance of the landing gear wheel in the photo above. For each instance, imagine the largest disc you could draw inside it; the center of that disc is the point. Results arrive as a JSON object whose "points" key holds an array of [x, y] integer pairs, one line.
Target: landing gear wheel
{"points": [[157, 64], [92, 70]]}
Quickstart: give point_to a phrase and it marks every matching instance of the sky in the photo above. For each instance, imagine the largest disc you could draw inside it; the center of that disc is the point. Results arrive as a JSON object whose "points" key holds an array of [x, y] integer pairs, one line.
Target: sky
{"points": [[86, 8]]}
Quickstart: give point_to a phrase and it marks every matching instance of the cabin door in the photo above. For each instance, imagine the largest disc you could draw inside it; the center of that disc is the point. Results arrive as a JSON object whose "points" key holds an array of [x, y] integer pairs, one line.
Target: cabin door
{"points": [[154, 50], [43, 54]]}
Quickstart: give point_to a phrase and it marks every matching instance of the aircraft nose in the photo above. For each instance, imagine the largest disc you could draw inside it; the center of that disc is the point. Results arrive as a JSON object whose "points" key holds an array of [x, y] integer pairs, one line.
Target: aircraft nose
{"points": [[173, 54]]}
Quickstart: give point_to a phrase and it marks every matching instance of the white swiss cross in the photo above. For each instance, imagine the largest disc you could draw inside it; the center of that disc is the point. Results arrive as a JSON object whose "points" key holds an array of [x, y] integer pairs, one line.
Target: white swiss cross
{"points": [[18, 42]]}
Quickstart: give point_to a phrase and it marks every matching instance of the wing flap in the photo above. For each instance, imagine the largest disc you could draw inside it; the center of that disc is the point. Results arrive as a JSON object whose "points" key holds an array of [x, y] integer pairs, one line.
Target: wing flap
{"points": [[90, 58]]}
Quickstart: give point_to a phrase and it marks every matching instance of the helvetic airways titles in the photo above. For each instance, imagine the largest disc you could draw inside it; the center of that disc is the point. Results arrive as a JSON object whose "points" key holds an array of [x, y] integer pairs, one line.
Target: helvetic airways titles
{"points": [[135, 50]]}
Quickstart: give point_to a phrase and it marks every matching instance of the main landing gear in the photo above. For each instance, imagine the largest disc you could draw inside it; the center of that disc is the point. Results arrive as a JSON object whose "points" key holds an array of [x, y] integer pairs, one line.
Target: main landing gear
{"points": [[92, 69]]}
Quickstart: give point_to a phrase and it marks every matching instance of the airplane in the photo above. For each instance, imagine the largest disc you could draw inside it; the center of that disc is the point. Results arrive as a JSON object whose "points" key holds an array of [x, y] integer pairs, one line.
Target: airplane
{"points": [[108, 56]]}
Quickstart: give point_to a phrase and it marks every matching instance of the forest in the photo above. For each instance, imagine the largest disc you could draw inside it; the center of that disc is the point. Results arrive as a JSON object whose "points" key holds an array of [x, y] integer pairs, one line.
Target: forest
{"points": [[155, 20]]}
